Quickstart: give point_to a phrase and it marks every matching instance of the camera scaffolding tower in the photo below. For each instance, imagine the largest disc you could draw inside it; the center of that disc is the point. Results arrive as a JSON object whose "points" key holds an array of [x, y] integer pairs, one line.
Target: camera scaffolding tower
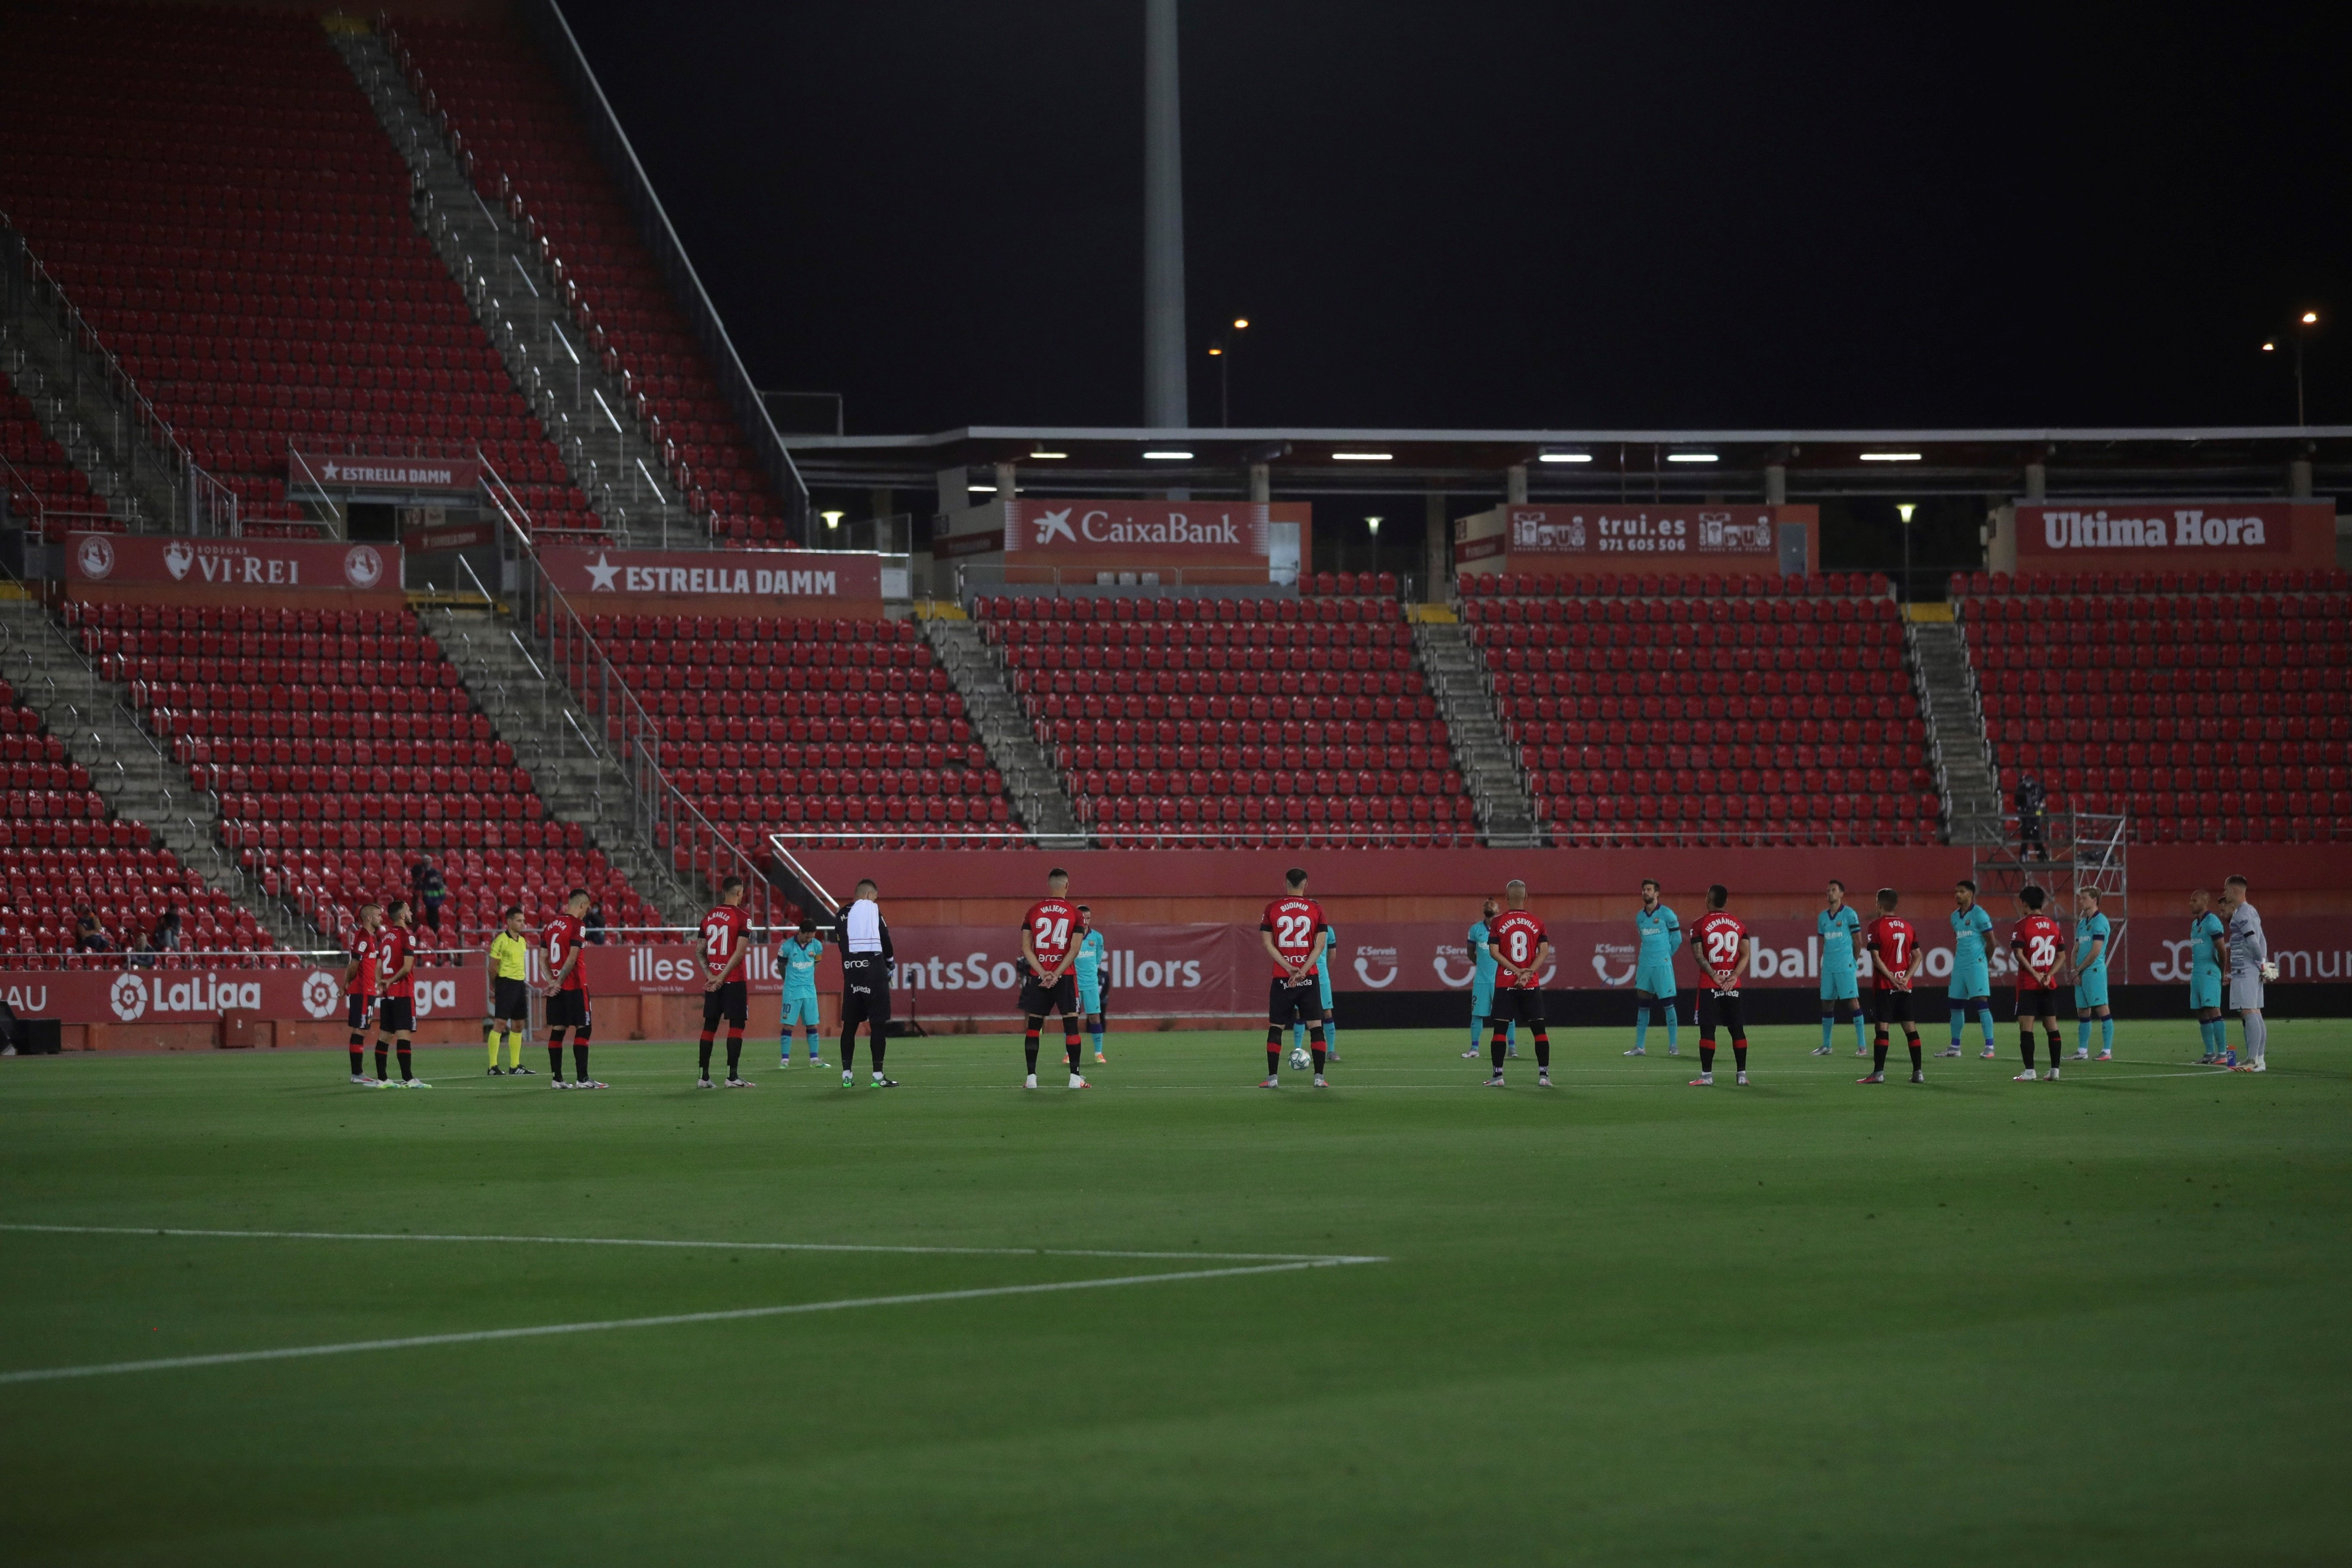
{"points": [[2071, 850]]}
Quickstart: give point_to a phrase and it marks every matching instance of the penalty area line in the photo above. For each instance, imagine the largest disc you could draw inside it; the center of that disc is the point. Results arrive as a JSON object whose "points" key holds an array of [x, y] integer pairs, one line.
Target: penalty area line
{"points": [[1295, 1258], [667, 1320]]}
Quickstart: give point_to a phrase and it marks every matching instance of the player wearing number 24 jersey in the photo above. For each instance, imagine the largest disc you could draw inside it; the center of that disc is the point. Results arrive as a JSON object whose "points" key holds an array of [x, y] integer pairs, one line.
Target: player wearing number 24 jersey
{"points": [[1049, 936]]}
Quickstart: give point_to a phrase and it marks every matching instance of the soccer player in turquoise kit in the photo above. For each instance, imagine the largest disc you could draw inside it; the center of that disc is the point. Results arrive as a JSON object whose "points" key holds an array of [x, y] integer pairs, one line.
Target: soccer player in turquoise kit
{"points": [[796, 957], [1839, 925], [1971, 984], [1482, 984], [1659, 933], [2205, 932], [2092, 937], [1088, 966], [1323, 981]]}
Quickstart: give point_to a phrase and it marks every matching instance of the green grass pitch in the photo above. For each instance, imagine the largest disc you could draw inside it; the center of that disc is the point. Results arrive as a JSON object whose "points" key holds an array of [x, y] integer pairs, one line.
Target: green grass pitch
{"points": [[1623, 1321]]}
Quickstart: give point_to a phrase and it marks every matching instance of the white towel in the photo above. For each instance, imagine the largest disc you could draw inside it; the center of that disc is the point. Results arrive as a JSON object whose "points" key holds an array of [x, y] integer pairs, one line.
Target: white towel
{"points": [[865, 926]]}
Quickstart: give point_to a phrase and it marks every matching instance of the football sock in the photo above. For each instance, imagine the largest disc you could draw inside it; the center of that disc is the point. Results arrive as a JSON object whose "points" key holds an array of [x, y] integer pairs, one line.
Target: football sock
{"points": [[1641, 1027], [1913, 1040], [2025, 1043], [1543, 1051], [1496, 1051], [706, 1054], [382, 1058], [1740, 1054], [1858, 1041], [1474, 1021], [874, 1043], [849, 1047], [1959, 1025], [514, 1047], [2258, 1035], [1098, 1032], [490, 1042], [2217, 1036], [1274, 1061], [1984, 1021], [402, 1048], [1315, 1047], [1673, 1030], [1878, 1054], [2107, 1032], [580, 1055], [1829, 1027], [1705, 1054], [2056, 1044], [1070, 1043], [2083, 1034], [1330, 1035], [555, 1053], [734, 1052], [359, 1055], [1028, 1047]]}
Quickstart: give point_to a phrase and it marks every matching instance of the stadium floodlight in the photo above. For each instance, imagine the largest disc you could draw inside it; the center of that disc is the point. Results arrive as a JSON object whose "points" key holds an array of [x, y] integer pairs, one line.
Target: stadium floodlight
{"points": [[1215, 351], [1166, 456], [1240, 323], [982, 489], [1361, 456], [1904, 509], [1564, 457], [1040, 456], [1690, 457], [1890, 457], [1373, 526], [2310, 318], [833, 519]]}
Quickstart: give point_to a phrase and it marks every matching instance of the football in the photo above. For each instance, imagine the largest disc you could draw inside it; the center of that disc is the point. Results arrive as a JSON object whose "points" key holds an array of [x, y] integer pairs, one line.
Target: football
{"points": [[1299, 1059]]}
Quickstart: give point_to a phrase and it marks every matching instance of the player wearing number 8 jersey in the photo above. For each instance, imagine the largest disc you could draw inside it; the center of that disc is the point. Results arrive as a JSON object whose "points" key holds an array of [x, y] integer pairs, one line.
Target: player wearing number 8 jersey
{"points": [[1724, 950], [2038, 944], [1894, 960], [1522, 950], [726, 946], [1048, 949], [1293, 934]]}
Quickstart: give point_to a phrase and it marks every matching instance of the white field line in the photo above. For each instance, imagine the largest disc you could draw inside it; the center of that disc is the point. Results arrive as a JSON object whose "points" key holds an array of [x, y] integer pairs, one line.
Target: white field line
{"points": [[1293, 1259], [51, 1374]]}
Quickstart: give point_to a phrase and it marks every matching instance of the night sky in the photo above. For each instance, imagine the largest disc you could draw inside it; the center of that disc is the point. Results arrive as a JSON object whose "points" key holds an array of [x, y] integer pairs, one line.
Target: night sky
{"points": [[1516, 215]]}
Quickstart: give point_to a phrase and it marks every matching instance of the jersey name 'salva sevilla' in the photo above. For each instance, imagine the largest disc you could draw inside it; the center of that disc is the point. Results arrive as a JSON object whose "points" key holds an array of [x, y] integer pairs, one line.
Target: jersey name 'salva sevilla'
{"points": [[392, 950], [2037, 941], [1893, 940], [1718, 935], [1049, 924], [1517, 939], [561, 939], [1836, 928], [1293, 923], [724, 931], [363, 950]]}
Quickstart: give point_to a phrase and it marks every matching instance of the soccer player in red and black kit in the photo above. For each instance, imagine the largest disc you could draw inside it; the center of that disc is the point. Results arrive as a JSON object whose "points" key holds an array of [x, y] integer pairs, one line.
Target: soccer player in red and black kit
{"points": [[1294, 934], [726, 990], [1724, 950], [2037, 943], [1522, 950], [359, 988], [395, 984], [1893, 943], [1048, 953], [565, 941]]}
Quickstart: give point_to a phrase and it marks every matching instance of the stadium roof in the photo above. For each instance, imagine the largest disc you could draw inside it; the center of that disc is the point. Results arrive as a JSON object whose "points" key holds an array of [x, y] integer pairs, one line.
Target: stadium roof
{"points": [[2231, 460]]}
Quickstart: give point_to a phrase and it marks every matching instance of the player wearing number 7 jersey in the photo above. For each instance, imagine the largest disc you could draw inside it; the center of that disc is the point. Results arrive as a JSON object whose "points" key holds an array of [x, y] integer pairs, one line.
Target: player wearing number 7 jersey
{"points": [[1522, 950], [1047, 953], [1894, 960], [1724, 950], [726, 990]]}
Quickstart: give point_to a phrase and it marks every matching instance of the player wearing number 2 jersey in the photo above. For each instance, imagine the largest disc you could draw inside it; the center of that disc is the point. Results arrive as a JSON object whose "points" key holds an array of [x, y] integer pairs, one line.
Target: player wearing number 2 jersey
{"points": [[2038, 944], [1049, 934], [726, 989], [1295, 935], [1522, 950], [1895, 961], [1724, 950]]}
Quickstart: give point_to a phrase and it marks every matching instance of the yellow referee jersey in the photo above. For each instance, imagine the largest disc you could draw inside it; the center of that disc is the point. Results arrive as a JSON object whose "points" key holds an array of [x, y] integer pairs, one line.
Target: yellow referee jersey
{"points": [[512, 955]]}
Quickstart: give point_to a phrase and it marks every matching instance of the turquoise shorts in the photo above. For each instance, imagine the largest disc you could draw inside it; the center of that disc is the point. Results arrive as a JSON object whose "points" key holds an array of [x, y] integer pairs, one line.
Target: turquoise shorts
{"points": [[2205, 989], [1481, 1002], [1326, 981], [1840, 988], [1090, 998], [1658, 980], [801, 1010], [2091, 988], [1970, 984]]}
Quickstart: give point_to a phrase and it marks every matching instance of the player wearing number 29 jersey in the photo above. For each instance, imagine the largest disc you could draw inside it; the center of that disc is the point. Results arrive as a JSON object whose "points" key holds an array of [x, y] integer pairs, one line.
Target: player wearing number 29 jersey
{"points": [[1720, 942]]}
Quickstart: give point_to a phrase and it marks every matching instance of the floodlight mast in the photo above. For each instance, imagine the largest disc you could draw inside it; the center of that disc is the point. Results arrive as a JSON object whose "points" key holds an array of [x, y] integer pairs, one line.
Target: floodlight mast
{"points": [[1167, 404]]}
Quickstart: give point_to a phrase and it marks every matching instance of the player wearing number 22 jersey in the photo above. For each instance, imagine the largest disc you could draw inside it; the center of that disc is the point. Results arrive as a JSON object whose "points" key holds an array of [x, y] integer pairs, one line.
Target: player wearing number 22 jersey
{"points": [[1522, 949], [1294, 933]]}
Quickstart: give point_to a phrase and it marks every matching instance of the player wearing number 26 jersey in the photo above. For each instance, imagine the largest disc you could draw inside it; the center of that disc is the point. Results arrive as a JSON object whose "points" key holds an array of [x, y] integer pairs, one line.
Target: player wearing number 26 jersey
{"points": [[2038, 944]]}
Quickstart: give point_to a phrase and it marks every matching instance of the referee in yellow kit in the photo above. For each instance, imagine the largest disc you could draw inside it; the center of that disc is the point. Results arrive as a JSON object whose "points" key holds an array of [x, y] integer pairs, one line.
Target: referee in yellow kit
{"points": [[510, 960]]}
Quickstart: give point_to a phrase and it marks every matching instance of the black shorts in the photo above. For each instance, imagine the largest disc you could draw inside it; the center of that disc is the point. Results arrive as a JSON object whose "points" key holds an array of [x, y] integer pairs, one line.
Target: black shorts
{"points": [[396, 1015], [1286, 1004], [864, 991], [1715, 1007], [510, 999], [1515, 1004], [2033, 1002], [1038, 998], [568, 1010], [1889, 1005], [357, 1008], [730, 1001]]}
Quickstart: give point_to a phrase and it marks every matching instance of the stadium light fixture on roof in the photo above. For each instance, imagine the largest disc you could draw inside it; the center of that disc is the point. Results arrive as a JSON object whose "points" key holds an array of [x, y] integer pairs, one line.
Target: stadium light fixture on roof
{"points": [[1372, 523], [1038, 456], [979, 490], [1564, 457], [1166, 456], [2311, 317], [1690, 457], [1890, 457], [1361, 456], [833, 519]]}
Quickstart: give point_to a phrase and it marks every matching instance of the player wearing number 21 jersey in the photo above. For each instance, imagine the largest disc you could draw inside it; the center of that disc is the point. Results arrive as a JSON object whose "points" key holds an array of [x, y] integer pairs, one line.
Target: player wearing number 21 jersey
{"points": [[1724, 948], [726, 987], [1049, 933], [1522, 950], [1294, 933]]}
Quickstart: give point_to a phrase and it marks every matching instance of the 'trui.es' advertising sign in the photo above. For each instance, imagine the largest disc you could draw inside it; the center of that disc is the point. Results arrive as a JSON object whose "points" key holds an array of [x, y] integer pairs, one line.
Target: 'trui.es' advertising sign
{"points": [[2144, 535], [1581, 532], [716, 582], [146, 559]]}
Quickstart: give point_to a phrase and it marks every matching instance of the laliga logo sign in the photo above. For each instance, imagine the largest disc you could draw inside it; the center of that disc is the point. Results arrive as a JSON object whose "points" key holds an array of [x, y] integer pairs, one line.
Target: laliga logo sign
{"points": [[95, 556], [130, 996], [319, 994], [436, 997], [362, 566]]}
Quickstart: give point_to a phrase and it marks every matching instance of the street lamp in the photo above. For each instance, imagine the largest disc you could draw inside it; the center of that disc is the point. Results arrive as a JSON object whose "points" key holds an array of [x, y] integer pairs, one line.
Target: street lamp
{"points": [[1373, 529], [1220, 349], [1904, 510], [2302, 329]]}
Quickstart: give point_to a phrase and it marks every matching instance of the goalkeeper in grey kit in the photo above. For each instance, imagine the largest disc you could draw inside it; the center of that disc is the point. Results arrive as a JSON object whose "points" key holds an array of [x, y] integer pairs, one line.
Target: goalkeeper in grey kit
{"points": [[867, 959]]}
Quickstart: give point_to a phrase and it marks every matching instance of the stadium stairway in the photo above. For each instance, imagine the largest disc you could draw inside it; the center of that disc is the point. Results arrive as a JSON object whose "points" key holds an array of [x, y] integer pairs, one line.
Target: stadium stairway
{"points": [[572, 767], [1481, 751], [138, 779], [1957, 746], [66, 385], [519, 304], [981, 678]]}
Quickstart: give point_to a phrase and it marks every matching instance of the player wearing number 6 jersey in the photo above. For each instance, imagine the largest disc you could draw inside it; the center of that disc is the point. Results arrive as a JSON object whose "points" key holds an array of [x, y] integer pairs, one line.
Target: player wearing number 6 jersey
{"points": [[1522, 950], [1724, 951], [726, 990], [1047, 952], [2038, 944], [1295, 936], [1894, 960]]}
